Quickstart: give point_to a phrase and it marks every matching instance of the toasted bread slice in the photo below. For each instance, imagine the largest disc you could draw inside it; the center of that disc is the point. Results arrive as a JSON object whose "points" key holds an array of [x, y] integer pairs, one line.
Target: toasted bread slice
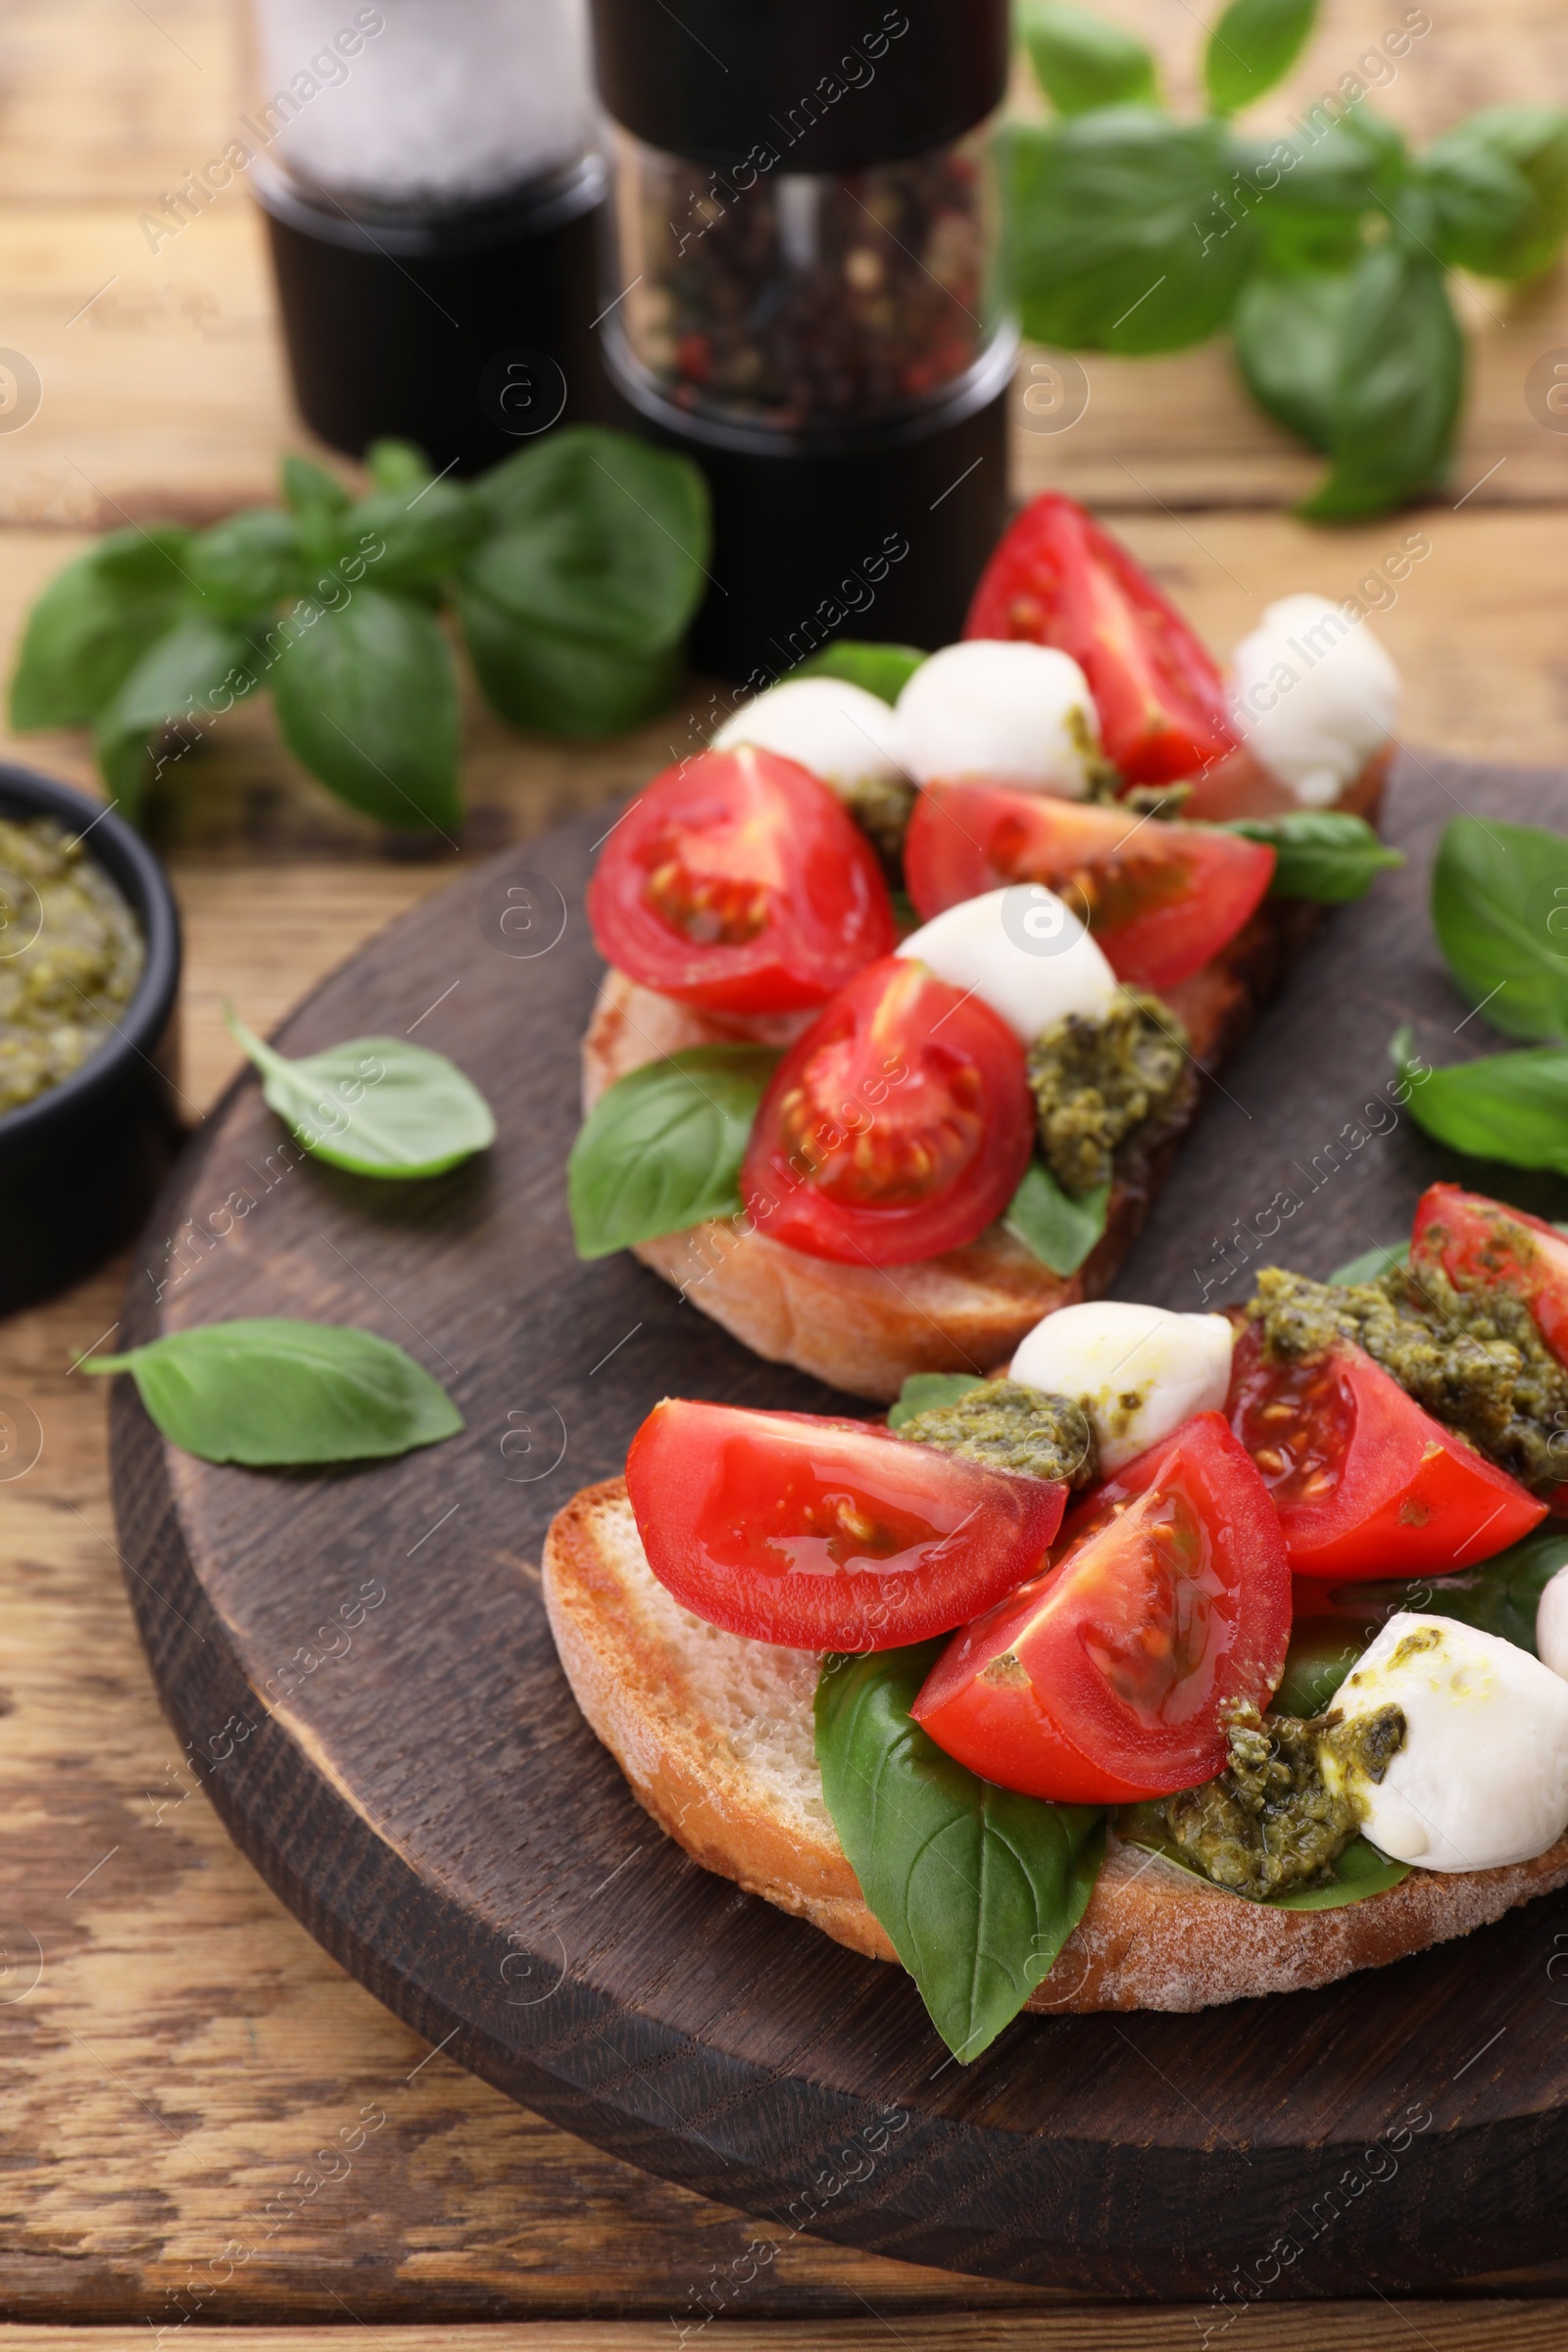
{"points": [[714, 1735], [866, 1328]]}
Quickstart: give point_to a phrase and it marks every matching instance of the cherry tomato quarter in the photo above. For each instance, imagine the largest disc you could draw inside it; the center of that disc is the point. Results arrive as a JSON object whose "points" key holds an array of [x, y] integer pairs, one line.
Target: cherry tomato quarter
{"points": [[1058, 579], [824, 1533], [1109, 1677], [1160, 898], [1483, 1246], [1367, 1484], [739, 883], [898, 1127]]}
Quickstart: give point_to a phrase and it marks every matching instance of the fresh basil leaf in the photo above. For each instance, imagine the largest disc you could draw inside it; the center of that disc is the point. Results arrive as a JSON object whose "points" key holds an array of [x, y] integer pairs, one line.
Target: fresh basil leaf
{"points": [[316, 496], [1499, 908], [1499, 1596], [1509, 1106], [1501, 184], [558, 684], [977, 1888], [1287, 333], [1255, 45], [92, 624], [662, 1149], [247, 564], [1480, 202], [1059, 1230], [368, 700], [1397, 392], [923, 1392], [397, 466], [1366, 1268], [597, 538], [424, 534], [375, 1106], [1320, 854], [196, 672], [1322, 1651], [1102, 210], [1082, 61], [1359, 1871], [271, 1393], [882, 670]]}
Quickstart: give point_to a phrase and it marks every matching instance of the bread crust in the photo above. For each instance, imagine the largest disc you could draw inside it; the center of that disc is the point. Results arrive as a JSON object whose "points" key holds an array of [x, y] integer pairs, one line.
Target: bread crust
{"points": [[1153, 1938], [866, 1328]]}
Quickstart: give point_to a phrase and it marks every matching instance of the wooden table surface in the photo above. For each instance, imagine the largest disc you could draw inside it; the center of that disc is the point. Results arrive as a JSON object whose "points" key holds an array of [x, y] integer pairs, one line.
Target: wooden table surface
{"points": [[173, 2047]]}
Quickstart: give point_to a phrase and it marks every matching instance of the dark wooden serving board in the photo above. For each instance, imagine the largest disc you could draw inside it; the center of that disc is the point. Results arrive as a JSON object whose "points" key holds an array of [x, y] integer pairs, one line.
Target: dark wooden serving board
{"points": [[433, 1807]]}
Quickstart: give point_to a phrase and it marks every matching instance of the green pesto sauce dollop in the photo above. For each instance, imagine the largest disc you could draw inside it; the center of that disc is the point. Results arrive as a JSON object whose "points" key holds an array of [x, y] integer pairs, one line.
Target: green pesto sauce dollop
{"points": [[1108, 1085], [1270, 1822], [1009, 1427], [1474, 1359], [76, 963]]}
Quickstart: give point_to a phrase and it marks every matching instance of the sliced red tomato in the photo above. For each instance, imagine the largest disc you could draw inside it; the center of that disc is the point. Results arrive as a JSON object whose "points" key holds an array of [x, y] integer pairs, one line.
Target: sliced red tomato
{"points": [[827, 1535], [898, 1126], [1161, 899], [1483, 1246], [738, 882], [1364, 1482], [1056, 578], [1110, 1676]]}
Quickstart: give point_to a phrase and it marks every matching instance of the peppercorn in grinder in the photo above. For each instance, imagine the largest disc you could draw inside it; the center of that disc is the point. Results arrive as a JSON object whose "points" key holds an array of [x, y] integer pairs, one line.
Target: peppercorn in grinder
{"points": [[801, 293]]}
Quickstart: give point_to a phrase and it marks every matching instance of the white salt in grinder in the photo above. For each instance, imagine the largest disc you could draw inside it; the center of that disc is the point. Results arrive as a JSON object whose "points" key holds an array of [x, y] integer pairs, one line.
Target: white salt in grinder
{"points": [[428, 174]]}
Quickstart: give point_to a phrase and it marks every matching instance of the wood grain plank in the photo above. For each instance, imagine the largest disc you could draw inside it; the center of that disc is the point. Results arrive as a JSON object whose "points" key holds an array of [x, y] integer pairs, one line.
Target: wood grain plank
{"points": [[1479, 2326]]}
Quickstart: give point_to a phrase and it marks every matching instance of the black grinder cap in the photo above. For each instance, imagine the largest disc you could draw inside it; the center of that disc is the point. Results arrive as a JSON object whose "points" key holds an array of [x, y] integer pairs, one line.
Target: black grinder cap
{"points": [[803, 85]]}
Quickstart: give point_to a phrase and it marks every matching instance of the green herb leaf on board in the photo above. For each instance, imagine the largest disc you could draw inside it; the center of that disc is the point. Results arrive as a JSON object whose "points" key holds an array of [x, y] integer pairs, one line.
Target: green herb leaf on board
{"points": [[271, 1393], [375, 1106]]}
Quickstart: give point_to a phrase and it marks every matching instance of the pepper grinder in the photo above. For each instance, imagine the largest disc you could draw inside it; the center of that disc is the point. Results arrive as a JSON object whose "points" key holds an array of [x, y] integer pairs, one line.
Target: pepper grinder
{"points": [[428, 174], [802, 294]]}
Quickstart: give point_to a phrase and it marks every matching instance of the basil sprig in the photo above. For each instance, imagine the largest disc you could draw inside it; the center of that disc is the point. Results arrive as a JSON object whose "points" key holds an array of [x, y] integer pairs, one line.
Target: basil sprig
{"points": [[575, 603], [977, 1888], [882, 670], [924, 1392], [375, 1106], [1511, 1106], [1359, 1871], [1060, 1229], [1082, 61], [575, 567], [1325, 253], [1499, 908], [1319, 853], [272, 1393], [1254, 45], [1499, 1596], [662, 1149]]}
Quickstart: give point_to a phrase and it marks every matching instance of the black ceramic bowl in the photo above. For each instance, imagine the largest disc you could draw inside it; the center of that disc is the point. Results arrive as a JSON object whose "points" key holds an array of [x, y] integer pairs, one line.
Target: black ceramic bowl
{"points": [[80, 1165]]}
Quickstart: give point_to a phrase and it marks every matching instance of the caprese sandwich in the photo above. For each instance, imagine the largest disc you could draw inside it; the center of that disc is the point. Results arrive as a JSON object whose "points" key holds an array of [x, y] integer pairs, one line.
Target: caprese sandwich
{"points": [[916, 970], [1191, 1658]]}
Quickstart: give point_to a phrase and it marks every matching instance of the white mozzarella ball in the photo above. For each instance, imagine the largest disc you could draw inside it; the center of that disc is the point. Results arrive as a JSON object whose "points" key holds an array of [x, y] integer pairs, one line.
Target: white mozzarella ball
{"points": [[1139, 1372], [1024, 951], [1313, 695], [842, 733], [1552, 1624], [1481, 1779], [1015, 713]]}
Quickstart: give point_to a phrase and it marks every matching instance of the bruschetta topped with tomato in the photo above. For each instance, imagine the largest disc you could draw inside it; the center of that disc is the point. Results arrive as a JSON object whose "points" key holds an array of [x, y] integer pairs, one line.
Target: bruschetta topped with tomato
{"points": [[1228, 1651], [916, 971]]}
